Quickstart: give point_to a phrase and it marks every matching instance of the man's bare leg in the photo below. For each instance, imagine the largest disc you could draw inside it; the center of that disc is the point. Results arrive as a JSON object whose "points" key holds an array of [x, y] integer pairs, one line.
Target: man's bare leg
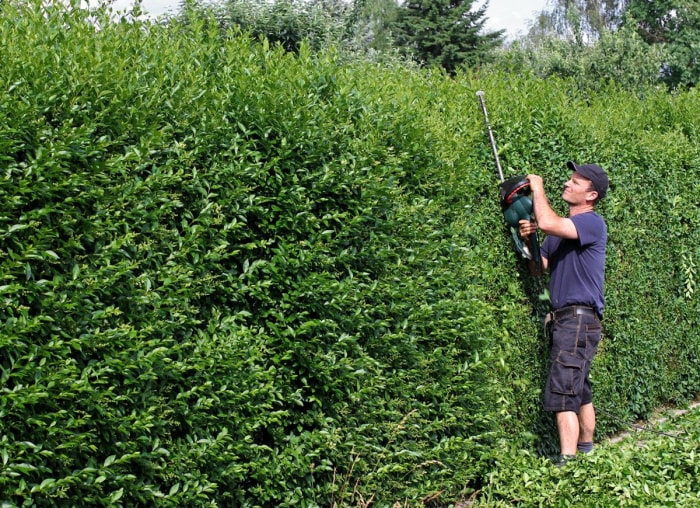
{"points": [[568, 426], [586, 422]]}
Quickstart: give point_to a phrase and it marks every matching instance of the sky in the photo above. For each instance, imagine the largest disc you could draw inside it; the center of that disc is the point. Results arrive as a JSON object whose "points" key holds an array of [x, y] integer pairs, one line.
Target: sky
{"points": [[511, 15]]}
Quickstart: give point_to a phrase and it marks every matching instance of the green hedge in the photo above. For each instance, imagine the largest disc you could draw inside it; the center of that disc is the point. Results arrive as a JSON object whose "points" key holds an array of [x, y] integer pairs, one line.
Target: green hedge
{"points": [[241, 277]]}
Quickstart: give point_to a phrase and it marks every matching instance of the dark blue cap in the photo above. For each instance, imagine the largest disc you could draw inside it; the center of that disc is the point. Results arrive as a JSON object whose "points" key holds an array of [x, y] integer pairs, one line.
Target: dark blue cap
{"points": [[594, 173]]}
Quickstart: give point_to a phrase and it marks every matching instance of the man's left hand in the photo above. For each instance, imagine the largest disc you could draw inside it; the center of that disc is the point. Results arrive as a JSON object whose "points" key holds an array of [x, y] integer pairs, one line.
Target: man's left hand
{"points": [[536, 183]]}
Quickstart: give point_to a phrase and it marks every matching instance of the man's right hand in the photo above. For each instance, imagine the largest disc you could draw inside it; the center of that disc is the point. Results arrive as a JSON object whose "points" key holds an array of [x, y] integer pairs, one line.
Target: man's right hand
{"points": [[527, 228]]}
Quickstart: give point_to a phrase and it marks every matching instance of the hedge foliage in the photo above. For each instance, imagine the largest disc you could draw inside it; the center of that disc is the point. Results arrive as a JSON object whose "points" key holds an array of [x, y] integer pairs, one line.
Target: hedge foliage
{"points": [[234, 276]]}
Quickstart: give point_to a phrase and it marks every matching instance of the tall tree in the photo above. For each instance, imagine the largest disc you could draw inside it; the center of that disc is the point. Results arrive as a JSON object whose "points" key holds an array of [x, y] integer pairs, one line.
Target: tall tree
{"points": [[674, 24], [668, 28], [581, 20], [447, 33], [369, 24]]}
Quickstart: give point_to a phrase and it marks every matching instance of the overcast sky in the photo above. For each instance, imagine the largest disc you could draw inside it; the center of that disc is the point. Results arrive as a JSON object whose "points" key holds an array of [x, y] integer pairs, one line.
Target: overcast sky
{"points": [[511, 15]]}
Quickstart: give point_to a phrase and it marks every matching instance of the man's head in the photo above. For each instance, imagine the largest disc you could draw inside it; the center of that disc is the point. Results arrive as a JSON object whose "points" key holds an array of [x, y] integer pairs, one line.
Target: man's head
{"points": [[594, 173]]}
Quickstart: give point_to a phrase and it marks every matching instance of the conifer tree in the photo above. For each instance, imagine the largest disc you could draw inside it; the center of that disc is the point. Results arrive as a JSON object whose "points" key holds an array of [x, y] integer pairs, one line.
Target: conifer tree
{"points": [[447, 33]]}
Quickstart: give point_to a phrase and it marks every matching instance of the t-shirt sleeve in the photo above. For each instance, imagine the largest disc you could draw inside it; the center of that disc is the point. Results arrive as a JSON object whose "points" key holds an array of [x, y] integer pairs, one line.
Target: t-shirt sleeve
{"points": [[546, 247], [588, 227]]}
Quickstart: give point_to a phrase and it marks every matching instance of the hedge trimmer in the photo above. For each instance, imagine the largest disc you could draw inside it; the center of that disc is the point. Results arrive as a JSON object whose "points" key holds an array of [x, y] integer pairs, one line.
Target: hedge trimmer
{"points": [[515, 199]]}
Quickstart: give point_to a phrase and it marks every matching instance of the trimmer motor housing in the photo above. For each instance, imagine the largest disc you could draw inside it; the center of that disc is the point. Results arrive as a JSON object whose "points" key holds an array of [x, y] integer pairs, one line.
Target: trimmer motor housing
{"points": [[515, 201], [517, 205]]}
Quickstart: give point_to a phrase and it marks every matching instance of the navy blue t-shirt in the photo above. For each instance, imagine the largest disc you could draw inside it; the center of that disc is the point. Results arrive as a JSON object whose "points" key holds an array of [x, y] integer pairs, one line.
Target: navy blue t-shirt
{"points": [[577, 267]]}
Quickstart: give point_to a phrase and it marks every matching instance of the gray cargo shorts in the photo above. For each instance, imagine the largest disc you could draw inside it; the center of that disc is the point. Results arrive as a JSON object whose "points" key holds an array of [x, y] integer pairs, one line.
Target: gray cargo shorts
{"points": [[575, 339]]}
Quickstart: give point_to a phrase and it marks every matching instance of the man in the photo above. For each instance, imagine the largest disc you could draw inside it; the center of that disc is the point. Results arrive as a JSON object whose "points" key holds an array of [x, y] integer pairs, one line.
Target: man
{"points": [[574, 254]]}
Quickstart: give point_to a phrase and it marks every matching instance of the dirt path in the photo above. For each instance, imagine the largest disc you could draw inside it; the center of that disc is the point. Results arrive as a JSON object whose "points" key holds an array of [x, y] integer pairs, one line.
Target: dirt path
{"points": [[642, 426]]}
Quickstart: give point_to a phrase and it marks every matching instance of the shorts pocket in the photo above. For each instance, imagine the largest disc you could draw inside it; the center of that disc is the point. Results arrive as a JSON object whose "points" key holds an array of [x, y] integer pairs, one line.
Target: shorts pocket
{"points": [[567, 374], [593, 333]]}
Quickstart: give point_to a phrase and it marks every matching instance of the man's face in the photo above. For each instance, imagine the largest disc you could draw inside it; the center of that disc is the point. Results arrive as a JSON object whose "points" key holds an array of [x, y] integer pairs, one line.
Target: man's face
{"points": [[578, 190]]}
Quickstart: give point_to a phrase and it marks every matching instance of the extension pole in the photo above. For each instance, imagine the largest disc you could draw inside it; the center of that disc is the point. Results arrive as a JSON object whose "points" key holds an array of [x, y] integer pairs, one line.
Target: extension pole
{"points": [[480, 94]]}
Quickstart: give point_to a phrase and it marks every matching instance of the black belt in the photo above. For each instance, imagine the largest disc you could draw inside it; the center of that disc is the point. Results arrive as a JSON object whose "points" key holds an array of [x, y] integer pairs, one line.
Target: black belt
{"points": [[573, 311]]}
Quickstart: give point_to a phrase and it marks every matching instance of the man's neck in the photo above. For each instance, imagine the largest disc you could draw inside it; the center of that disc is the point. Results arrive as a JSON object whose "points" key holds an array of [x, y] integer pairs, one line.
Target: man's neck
{"points": [[579, 209]]}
